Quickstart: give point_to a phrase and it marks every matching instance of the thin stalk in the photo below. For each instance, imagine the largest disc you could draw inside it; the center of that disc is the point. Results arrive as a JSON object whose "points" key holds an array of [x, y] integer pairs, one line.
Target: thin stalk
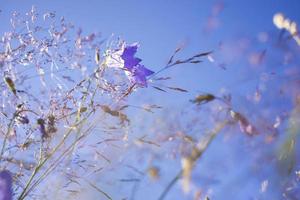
{"points": [[196, 157], [39, 166], [98, 189], [9, 127]]}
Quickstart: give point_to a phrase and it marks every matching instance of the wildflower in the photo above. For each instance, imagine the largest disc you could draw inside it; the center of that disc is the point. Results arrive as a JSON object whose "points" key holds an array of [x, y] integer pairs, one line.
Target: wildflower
{"points": [[113, 58], [139, 75], [124, 58], [5, 185], [128, 56]]}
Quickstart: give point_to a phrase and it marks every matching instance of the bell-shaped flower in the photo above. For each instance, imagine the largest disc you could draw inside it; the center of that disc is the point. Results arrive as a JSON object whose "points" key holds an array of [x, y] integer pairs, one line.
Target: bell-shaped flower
{"points": [[139, 75], [125, 58]]}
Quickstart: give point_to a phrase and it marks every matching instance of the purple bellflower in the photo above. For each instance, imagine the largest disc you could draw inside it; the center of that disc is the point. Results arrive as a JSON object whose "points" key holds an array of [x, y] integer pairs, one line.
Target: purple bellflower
{"points": [[5, 185], [124, 58], [137, 73], [128, 56]]}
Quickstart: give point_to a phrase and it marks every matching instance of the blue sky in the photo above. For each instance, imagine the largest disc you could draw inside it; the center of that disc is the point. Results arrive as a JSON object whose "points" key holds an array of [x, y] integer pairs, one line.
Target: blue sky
{"points": [[160, 26]]}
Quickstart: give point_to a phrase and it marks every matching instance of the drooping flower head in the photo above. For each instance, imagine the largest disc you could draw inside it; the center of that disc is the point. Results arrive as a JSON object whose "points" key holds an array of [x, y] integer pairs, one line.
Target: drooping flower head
{"points": [[128, 56], [125, 58], [5, 185]]}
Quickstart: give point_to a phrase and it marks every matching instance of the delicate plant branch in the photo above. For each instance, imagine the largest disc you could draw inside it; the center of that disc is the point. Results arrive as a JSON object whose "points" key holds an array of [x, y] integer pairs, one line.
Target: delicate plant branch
{"points": [[43, 161], [98, 189], [9, 127], [195, 156]]}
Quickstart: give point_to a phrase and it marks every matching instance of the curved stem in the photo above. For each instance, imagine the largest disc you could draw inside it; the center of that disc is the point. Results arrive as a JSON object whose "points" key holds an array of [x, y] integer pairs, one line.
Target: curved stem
{"points": [[200, 150]]}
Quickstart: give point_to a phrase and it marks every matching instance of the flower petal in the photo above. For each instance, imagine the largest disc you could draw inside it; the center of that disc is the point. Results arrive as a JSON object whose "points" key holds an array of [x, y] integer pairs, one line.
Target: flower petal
{"points": [[140, 74], [128, 56]]}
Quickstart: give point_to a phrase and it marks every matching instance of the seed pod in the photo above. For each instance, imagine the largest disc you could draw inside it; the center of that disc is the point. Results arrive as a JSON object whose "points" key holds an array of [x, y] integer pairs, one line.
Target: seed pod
{"points": [[23, 119], [153, 172], [245, 125], [82, 109], [9, 82], [203, 98], [97, 57], [41, 123], [51, 124]]}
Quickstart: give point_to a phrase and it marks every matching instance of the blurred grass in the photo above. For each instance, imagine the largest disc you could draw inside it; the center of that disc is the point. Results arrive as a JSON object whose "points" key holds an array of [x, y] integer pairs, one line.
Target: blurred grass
{"points": [[287, 154]]}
